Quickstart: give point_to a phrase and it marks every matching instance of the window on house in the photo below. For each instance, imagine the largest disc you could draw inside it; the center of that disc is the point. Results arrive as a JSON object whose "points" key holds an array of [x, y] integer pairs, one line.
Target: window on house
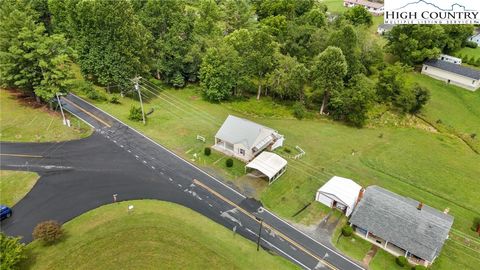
{"points": [[426, 67], [474, 81], [242, 152]]}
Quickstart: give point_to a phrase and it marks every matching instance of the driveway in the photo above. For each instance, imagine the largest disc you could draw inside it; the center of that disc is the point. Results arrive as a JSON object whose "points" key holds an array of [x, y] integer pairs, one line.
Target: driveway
{"points": [[78, 176]]}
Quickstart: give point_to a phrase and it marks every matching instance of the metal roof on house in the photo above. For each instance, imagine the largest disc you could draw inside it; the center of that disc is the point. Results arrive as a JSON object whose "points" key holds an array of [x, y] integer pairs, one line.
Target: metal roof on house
{"points": [[365, 3], [396, 219], [268, 163], [238, 130], [386, 26], [344, 189], [453, 68]]}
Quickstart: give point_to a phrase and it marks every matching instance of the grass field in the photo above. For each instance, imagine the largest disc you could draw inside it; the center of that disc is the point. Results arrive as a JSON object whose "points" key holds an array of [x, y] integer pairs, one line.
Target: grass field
{"points": [[334, 6], [468, 52], [22, 120], [14, 186], [156, 235]]}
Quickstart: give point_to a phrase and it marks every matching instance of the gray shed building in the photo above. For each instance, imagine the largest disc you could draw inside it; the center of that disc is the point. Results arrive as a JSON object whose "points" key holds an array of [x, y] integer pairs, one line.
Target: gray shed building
{"points": [[400, 225]]}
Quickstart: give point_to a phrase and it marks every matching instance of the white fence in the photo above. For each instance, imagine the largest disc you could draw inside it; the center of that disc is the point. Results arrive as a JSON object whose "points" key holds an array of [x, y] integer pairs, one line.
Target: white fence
{"points": [[201, 138], [301, 154]]}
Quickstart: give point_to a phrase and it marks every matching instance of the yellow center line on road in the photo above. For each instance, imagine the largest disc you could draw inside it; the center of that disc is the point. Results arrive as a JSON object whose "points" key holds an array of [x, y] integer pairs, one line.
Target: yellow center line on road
{"points": [[21, 155], [195, 181], [87, 112]]}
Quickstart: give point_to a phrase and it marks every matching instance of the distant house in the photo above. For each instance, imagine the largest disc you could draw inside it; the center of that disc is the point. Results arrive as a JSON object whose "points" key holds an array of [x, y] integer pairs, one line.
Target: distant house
{"points": [[340, 193], [268, 164], [475, 38], [373, 7], [464, 77], [400, 225], [244, 139], [384, 28], [451, 59]]}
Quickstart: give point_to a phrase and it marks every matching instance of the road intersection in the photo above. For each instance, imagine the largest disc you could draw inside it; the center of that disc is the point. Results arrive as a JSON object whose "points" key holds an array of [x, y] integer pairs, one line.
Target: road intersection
{"points": [[77, 176]]}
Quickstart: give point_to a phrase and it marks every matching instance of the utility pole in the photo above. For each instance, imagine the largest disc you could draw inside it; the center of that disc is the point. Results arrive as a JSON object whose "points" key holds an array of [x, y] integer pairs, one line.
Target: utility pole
{"points": [[137, 87], [259, 233], [61, 108]]}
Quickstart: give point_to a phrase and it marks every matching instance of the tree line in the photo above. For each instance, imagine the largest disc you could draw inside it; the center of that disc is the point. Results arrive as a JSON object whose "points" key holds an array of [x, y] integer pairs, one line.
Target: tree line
{"points": [[290, 50]]}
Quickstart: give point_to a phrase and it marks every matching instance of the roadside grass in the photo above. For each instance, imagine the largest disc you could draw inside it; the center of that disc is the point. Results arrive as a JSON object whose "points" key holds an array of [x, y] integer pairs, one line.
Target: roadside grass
{"points": [[409, 161], [15, 185], [156, 235], [384, 260], [353, 246], [20, 121], [452, 109]]}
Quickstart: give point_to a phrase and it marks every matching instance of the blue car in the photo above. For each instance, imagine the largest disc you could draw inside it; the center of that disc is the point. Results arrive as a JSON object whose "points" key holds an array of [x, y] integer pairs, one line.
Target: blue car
{"points": [[5, 212]]}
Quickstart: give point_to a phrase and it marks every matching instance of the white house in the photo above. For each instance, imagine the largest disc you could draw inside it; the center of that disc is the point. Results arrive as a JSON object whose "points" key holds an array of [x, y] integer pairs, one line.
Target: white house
{"points": [[384, 28], [244, 139], [459, 75], [269, 165], [340, 193], [373, 7], [451, 59], [475, 38]]}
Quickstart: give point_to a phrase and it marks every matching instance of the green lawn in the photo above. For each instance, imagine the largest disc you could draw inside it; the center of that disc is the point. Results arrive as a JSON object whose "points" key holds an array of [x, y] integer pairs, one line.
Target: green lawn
{"points": [[14, 186], [468, 52], [384, 260], [452, 109], [334, 6], [156, 235], [21, 120]]}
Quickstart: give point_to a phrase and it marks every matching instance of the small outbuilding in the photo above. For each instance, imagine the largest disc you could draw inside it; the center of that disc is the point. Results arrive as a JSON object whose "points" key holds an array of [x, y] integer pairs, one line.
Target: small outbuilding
{"points": [[450, 73], [340, 193], [384, 28], [244, 139], [451, 59], [373, 7], [268, 164]]}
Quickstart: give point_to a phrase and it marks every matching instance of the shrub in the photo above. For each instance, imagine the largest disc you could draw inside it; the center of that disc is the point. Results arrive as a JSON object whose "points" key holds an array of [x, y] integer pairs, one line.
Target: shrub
{"points": [[229, 162], [473, 135], [471, 44], [48, 231], [114, 100], [401, 261], [299, 110], [207, 151], [287, 150], [347, 231], [12, 251], [135, 114], [419, 267]]}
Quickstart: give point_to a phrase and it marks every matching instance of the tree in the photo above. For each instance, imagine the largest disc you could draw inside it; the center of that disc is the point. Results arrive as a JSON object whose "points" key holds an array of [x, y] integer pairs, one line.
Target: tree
{"points": [[347, 40], [328, 71], [391, 82], [12, 251], [257, 51], [353, 104], [237, 14], [457, 36], [218, 72], [288, 79], [111, 41], [48, 231], [289, 8], [358, 15], [31, 59], [414, 44], [412, 99]]}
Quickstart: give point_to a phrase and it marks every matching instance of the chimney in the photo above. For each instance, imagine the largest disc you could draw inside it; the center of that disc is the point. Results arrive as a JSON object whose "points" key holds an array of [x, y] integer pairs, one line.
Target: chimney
{"points": [[420, 206], [360, 195]]}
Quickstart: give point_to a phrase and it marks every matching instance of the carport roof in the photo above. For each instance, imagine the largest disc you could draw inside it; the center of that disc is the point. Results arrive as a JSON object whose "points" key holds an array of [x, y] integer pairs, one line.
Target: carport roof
{"points": [[268, 163]]}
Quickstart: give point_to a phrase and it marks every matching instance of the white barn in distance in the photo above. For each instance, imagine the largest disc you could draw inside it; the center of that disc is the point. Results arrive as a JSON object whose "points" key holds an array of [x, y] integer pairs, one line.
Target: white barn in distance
{"points": [[450, 73], [244, 139], [340, 193]]}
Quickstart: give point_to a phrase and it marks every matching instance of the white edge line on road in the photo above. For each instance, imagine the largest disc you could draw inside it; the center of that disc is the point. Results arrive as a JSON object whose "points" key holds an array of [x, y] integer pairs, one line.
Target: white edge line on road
{"points": [[85, 121], [192, 165], [331, 250], [281, 251], [220, 182]]}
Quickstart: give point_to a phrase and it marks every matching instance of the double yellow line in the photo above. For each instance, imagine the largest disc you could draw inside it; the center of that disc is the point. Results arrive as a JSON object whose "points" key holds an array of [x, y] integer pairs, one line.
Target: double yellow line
{"points": [[196, 182], [87, 112]]}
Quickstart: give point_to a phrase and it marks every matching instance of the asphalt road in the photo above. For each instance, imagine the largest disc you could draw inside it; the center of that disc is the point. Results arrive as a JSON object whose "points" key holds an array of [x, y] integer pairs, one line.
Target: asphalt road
{"points": [[77, 176]]}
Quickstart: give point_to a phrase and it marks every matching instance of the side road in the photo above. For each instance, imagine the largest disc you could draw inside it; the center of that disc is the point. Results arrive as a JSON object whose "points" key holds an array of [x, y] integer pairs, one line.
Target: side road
{"points": [[123, 134]]}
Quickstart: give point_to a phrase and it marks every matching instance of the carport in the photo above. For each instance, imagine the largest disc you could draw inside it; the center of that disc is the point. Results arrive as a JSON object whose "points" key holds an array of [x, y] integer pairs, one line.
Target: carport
{"points": [[268, 164]]}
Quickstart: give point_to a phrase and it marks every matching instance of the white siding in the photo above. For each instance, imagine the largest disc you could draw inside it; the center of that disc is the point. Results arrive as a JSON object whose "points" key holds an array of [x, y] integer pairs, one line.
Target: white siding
{"points": [[448, 77], [324, 199]]}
